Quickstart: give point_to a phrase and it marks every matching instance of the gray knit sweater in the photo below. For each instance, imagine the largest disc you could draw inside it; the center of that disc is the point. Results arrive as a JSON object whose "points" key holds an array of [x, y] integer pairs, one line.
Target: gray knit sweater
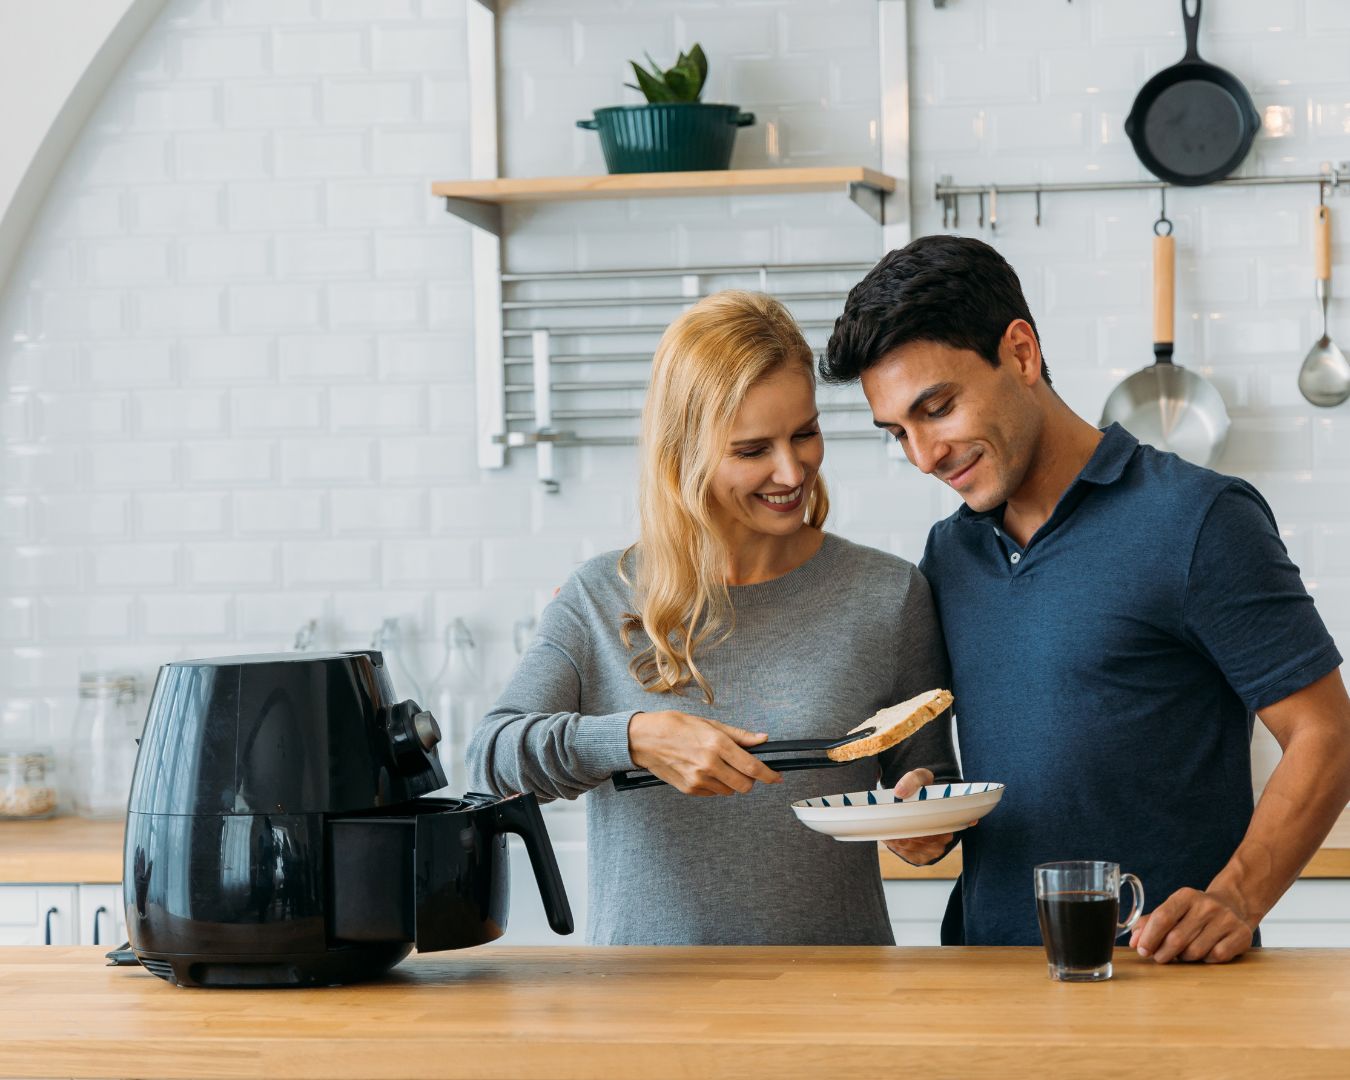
{"points": [[813, 653]]}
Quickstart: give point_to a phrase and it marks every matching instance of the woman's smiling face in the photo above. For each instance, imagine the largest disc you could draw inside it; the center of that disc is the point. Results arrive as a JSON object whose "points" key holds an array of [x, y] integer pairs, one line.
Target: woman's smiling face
{"points": [[769, 465]]}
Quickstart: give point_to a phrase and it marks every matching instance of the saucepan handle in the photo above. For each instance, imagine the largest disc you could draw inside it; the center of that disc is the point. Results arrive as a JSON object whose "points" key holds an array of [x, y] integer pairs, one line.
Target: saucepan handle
{"points": [[1164, 296]]}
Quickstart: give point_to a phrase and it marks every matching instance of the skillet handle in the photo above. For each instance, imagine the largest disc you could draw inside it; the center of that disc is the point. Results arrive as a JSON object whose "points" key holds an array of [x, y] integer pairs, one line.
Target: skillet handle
{"points": [[1192, 23], [1164, 296]]}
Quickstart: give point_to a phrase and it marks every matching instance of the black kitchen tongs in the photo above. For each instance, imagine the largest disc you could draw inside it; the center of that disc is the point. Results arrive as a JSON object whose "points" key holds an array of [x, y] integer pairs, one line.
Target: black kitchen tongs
{"points": [[814, 758]]}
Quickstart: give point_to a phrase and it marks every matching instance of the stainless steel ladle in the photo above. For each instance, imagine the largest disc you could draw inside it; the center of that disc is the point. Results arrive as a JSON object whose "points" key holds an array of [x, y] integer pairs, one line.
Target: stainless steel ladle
{"points": [[1324, 378]]}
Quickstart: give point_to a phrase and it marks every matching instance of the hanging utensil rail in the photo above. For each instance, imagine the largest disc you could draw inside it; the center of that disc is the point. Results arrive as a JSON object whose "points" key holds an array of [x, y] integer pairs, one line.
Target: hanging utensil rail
{"points": [[694, 271], [1333, 175], [658, 301]]}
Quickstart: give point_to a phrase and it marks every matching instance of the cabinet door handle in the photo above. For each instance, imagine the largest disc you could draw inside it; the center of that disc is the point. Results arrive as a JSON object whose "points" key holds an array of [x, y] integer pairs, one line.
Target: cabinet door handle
{"points": [[47, 926], [100, 910]]}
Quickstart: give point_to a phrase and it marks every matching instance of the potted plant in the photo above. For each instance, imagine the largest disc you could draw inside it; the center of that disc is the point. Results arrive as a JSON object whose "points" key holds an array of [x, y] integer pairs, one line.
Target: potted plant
{"points": [[674, 131]]}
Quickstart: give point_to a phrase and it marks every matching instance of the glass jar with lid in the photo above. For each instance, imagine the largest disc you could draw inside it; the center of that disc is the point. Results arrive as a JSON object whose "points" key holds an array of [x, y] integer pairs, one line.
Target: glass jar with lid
{"points": [[103, 750], [27, 781]]}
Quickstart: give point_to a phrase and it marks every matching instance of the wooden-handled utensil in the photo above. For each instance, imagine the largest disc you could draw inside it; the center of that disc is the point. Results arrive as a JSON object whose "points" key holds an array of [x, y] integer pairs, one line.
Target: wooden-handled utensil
{"points": [[1324, 378]]}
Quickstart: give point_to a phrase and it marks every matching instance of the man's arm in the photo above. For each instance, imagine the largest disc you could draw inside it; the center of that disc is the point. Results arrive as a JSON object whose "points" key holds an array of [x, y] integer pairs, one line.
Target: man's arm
{"points": [[1305, 795]]}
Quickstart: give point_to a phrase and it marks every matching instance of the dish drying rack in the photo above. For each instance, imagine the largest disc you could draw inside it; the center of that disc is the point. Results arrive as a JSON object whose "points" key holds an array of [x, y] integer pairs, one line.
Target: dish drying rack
{"points": [[577, 348]]}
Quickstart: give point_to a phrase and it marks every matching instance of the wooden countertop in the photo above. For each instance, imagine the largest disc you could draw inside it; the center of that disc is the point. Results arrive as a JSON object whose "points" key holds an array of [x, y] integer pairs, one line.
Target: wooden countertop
{"points": [[61, 849], [690, 1012], [72, 849]]}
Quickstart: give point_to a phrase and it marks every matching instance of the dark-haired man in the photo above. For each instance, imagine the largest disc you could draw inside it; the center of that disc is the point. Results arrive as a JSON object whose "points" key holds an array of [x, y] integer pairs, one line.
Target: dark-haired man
{"points": [[1115, 618]]}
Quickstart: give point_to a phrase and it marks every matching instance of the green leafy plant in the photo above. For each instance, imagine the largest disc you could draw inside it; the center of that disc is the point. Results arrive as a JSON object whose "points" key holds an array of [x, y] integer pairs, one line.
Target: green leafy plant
{"points": [[681, 83]]}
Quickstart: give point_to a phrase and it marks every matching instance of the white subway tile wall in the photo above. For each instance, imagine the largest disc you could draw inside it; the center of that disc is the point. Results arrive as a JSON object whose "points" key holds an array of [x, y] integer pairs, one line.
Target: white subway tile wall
{"points": [[236, 358]]}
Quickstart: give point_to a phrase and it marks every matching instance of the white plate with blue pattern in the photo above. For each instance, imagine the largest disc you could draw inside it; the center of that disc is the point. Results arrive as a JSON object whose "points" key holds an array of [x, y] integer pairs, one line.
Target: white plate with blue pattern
{"points": [[879, 815]]}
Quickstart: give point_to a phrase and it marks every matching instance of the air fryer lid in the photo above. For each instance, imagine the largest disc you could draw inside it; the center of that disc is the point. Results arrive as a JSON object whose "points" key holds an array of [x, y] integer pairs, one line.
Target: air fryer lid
{"points": [[283, 733]]}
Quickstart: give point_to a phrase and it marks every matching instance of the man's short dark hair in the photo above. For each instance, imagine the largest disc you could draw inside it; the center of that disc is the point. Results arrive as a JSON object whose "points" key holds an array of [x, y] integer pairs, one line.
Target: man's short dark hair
{"points": [[953, 290]]}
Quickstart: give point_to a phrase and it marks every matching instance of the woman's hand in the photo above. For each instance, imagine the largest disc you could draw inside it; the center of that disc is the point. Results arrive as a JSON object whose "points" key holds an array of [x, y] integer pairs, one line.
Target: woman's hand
{"points": [[921, 850], [698, 756]]}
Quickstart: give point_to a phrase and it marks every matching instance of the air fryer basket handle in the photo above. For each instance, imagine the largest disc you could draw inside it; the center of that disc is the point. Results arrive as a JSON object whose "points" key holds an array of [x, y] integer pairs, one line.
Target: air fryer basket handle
{"points": [[520, 814]]}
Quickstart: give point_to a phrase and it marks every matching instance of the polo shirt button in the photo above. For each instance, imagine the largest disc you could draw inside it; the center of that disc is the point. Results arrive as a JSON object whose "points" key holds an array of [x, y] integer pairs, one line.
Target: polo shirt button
{"points": [[1016, 557]]}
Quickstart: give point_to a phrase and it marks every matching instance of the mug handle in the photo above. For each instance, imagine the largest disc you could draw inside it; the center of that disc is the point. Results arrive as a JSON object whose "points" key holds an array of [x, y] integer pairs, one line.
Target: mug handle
{"points": [[1137, 908]]}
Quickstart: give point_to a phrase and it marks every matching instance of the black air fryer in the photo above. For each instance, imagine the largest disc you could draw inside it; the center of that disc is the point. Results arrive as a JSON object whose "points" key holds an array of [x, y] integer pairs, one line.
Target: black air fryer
{"points": [[275, 834]]}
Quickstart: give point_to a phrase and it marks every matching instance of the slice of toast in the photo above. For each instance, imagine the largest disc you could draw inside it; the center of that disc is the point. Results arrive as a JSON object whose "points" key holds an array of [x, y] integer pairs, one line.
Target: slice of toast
{"points": [[894, 725]]}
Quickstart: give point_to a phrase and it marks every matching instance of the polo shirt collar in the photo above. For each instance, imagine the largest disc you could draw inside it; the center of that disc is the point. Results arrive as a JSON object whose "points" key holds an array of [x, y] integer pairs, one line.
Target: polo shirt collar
{"points": [[1108, 461], [1105, 466]]}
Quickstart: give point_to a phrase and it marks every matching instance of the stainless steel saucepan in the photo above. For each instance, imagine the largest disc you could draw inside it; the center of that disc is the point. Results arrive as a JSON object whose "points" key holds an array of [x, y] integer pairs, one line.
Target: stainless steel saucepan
{"points": [[1165, 405]]}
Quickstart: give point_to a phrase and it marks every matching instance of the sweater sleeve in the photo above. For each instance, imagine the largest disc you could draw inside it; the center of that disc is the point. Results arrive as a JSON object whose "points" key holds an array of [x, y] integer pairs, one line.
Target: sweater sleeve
{"points": [[536, 738], [922, 664]]}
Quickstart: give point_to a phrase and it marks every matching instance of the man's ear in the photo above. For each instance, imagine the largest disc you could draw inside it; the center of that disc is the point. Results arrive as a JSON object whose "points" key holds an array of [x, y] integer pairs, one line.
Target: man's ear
{"points": [[1020, 350]]}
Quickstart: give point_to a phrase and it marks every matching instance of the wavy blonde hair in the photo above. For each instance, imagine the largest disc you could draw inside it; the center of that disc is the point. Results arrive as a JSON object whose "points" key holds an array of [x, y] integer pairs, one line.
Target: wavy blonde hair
{"points": [[706, 363]]}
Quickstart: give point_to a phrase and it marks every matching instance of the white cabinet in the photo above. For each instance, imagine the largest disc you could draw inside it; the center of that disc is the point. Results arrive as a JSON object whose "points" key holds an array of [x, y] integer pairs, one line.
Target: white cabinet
{"points": [[62, 915], [39, 914], [916, 909], [102, 917], [1315, 913]]}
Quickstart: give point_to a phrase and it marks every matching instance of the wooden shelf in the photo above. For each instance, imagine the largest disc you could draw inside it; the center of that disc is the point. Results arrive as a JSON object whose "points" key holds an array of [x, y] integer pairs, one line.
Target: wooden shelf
{"points": [[479, 201], [629, 185]]}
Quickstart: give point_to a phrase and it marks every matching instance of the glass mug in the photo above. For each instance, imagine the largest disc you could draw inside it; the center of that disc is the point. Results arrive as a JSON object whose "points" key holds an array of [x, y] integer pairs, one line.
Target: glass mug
{"points": [[1078, 904]]}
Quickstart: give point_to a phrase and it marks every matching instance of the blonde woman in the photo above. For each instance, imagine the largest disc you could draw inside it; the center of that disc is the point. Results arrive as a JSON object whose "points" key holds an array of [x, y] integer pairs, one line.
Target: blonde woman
{"points": [[734, 618]]}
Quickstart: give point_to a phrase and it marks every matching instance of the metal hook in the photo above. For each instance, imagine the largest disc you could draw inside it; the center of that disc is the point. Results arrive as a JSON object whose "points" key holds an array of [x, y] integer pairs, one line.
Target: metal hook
{"points": [[1321, 193], [981, 198], [993, 209], [949, 202], [1162, 215], [1038, 208]]}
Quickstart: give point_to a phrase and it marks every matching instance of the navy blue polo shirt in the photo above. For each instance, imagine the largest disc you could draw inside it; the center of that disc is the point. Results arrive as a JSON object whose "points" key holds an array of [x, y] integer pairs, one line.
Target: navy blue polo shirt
{"points": [[1108, 674]]}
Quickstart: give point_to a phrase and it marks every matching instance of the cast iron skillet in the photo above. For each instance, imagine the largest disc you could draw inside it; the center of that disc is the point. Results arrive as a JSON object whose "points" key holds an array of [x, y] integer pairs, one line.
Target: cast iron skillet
{"points": [[1193, 122]]}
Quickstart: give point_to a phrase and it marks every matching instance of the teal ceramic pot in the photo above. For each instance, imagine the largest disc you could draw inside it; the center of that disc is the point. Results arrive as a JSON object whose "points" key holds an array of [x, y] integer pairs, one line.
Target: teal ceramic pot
{"points": [[687, 137]]}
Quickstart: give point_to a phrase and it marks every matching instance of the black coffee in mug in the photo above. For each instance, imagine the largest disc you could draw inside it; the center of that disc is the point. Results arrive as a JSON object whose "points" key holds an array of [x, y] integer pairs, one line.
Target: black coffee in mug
{"points": [[1078, 928], [1078, 904]]}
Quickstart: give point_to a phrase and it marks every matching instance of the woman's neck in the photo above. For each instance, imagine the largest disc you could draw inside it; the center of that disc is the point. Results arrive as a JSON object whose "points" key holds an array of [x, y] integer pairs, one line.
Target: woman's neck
{"points": [[756, 557]]}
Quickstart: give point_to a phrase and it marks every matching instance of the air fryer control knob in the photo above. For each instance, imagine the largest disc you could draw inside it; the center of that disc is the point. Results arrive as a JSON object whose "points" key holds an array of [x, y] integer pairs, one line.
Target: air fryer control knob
{"points": [[428, 731], [414, 734]]}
